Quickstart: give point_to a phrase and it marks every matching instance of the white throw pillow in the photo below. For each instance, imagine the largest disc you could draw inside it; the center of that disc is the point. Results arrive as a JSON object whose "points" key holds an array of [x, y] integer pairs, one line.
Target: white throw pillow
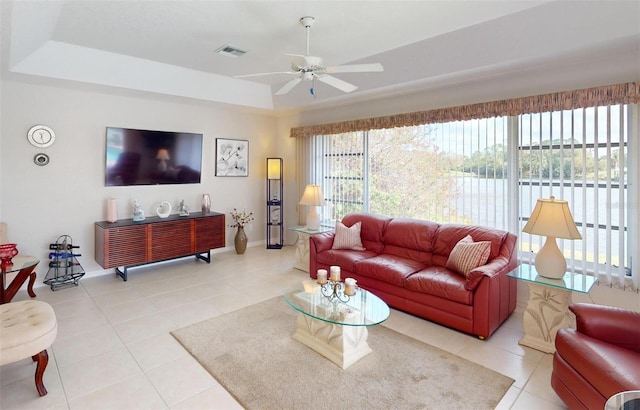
{"points": [[468, 255], [348, 238]]}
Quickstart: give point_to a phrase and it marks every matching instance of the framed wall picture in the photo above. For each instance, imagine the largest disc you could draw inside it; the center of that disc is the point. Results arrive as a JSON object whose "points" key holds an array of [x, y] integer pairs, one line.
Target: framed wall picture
{"points": [[232, 158]]}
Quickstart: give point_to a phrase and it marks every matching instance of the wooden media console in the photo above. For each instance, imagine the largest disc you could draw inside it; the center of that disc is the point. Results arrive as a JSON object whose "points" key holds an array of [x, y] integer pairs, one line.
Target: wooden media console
{"points": [[128, 244]]}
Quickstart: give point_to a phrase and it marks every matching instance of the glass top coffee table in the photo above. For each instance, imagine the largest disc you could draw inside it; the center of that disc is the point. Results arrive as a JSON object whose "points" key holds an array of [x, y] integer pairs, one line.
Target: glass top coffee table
{"points": [[337, 329]]}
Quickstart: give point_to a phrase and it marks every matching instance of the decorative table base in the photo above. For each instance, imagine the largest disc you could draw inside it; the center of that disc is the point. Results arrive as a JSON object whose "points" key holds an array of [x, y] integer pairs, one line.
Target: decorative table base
{"points": [[548, 306], [547, 311], [302, 252], [343, 345]]}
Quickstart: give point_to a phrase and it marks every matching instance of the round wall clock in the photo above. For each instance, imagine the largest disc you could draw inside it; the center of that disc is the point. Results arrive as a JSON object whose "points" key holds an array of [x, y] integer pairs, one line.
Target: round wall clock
{"points": [[41, 136]]}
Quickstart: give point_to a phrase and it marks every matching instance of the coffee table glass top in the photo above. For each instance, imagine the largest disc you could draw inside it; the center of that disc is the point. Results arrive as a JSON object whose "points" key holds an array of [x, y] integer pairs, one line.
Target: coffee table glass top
{"points": [[362, 309]]}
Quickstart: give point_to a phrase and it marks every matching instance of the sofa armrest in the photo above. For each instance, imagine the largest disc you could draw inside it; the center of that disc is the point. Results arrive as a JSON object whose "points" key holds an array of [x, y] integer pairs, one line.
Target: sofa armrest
{"points": [[322, 242], [502, 264], [318, 243], [494, 268], [613, 325]]}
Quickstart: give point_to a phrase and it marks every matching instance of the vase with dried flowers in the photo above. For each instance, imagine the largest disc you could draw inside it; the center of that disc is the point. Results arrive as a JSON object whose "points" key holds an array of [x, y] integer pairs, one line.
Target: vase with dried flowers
{"points": [[240, 219]]}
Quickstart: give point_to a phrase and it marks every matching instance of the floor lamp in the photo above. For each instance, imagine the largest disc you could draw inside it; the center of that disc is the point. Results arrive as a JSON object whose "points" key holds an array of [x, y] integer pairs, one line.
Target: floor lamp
{"points": [[275, 220], [551, 218], [312, 197]]}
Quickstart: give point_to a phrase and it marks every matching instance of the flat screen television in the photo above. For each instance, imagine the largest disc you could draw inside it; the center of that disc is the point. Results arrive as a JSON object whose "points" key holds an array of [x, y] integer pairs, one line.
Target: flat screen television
{"points": [[143, 157]]}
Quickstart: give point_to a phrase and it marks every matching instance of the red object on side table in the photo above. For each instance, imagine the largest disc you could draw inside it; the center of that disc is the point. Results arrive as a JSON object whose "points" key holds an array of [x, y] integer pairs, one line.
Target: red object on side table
{"points": [[7, 252]]}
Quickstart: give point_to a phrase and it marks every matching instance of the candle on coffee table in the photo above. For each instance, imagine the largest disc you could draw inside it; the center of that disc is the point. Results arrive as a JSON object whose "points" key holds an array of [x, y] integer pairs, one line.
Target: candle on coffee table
{"points": [[322, 276], [335, 273], [349, 286]]}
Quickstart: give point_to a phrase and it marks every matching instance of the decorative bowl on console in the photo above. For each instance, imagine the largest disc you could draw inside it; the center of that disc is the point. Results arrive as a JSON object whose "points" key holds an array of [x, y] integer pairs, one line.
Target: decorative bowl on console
{"points": [[7, 252]]}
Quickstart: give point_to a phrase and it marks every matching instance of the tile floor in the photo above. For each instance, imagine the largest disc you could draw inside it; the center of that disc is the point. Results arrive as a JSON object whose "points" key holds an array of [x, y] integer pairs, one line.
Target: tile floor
{"points": [[114, 350]]}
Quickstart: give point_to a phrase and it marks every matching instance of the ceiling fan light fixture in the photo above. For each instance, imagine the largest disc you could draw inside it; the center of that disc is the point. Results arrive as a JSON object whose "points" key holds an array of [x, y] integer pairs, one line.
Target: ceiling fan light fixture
{"points": [[307, 21], [230, 51]]}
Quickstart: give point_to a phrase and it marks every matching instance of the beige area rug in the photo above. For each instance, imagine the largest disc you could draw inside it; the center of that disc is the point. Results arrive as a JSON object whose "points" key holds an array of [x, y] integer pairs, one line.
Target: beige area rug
{"points": [[251, 353]]}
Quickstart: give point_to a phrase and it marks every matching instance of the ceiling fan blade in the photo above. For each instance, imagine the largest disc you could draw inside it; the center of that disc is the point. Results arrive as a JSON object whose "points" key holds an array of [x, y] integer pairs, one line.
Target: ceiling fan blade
{"points": [[337, 83], [288, 86], [356, 68], [259, 74]]}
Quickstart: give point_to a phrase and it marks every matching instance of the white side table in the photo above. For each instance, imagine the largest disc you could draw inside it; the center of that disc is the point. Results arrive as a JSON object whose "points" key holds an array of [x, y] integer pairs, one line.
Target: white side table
{"points": [[302, 251], [548, 305]]}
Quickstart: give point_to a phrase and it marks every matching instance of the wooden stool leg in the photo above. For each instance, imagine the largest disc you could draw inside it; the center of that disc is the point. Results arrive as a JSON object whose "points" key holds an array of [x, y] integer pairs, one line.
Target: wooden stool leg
{"points": [[42, 358]]}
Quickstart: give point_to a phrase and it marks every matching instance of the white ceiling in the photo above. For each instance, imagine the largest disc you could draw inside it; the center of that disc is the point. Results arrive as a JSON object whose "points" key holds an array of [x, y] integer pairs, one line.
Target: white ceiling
{"points": [[168, 47]]}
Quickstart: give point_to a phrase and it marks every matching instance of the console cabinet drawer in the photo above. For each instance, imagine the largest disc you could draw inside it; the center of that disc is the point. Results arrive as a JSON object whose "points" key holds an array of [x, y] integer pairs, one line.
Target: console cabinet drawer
{"points": [[121, 246], [170, 240], [209, 233]]}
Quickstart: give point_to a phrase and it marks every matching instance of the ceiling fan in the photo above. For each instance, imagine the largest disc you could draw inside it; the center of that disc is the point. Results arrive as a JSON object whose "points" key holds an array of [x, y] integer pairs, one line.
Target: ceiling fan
{"points": [[307, 67]]}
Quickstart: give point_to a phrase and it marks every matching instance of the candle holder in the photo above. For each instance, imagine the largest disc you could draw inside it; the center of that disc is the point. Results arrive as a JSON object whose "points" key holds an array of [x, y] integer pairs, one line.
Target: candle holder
{"points": [[334, 291]]}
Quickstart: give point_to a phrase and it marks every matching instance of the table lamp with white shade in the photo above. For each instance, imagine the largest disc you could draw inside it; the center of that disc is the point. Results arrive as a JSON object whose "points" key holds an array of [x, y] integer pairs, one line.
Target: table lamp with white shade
{"points": [[312, 197], [551, 218]]}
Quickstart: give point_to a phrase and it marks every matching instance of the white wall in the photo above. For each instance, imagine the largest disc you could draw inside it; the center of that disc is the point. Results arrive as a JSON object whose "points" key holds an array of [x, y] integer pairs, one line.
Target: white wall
{"points": [[68, 195]]}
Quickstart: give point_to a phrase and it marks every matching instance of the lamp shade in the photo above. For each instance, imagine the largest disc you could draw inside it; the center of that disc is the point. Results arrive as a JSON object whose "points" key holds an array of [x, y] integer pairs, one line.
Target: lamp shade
{"points": [[312, 196], [273, 168], [163, 154], [552, 217]]}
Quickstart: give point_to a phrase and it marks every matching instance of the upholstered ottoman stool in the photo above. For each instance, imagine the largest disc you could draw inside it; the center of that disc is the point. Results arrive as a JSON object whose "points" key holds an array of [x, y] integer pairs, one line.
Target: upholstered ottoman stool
{"points": [[27, 329]]}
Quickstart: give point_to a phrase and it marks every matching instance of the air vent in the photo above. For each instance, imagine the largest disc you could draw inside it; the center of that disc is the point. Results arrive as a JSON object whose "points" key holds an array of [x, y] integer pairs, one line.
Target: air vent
{"points": [[230, 51]]}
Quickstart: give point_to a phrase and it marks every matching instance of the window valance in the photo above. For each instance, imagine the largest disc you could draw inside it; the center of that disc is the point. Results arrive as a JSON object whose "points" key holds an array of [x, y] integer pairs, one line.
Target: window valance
{"points": [[626, 93]]}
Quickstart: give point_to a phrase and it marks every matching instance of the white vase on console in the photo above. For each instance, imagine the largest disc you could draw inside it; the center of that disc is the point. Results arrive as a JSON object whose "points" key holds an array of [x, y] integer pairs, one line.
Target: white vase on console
{"points": [[164, 210]]}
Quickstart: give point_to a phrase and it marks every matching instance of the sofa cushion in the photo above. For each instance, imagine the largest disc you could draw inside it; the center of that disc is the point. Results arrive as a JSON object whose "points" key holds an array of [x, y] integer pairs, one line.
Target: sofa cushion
{"points": [[468, 255], [372, 230], [410, 238], [441, 282], [348, 237], [344, 258], [388, 268]]}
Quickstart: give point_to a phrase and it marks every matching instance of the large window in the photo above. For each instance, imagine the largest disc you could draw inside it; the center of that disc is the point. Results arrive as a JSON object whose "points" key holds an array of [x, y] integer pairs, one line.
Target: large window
{"points": [[580, 156], [491, 171], [449, 173]]}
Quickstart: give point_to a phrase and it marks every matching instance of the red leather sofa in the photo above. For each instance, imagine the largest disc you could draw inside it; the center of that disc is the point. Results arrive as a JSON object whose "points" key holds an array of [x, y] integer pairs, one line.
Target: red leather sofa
{"points": [[598, 359], [404, 263]]}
